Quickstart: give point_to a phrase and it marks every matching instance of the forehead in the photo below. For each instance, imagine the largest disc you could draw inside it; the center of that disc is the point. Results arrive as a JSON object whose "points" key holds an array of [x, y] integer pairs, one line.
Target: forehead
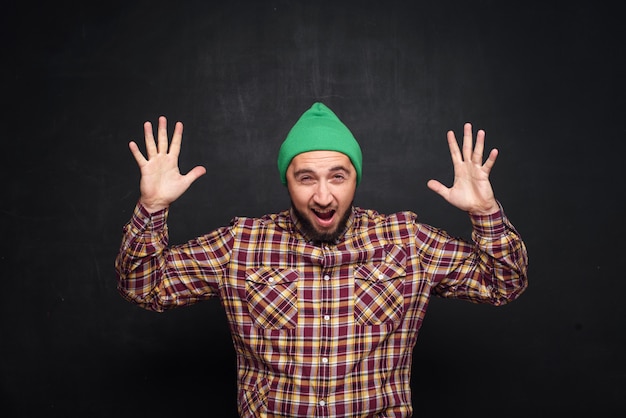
{"points": [[321, 160]]}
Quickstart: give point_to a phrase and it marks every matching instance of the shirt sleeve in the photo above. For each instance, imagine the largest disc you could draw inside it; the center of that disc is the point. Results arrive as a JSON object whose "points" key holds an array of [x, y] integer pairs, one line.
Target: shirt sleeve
{"points": [[491, 269], [156, 276]]}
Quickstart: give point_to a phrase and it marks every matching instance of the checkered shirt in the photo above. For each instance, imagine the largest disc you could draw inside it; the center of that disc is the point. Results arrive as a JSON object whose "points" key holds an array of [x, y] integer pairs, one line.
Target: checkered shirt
{"points": [[322, 330]]}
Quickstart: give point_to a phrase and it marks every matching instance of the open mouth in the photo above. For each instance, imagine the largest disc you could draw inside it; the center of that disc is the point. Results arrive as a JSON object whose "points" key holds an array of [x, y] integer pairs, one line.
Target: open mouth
{"points": [[325, 215]]}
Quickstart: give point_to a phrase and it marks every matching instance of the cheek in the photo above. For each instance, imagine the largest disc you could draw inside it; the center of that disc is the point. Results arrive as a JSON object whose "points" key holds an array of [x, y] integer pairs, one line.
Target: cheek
{"points": [[345, 197], [298, 197]]}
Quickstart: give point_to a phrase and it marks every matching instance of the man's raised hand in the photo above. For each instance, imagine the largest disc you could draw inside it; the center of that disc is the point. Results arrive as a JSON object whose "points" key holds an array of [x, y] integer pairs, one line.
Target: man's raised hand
{"points": [[471, 190], [161, 180]]}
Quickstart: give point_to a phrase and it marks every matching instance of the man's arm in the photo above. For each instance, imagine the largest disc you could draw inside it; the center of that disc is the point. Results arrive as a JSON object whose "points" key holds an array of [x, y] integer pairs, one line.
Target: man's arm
{"points": [[492, 269], [149, 273]]}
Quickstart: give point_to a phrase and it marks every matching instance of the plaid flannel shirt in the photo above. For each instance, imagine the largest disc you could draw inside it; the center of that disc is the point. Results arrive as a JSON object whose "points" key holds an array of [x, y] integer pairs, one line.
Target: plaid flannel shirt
{"points": [[322, 331]]}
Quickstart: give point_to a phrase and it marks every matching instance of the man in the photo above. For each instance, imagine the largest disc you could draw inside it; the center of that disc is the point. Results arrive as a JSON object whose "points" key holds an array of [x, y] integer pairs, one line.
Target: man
{"points": [[324, 301]]}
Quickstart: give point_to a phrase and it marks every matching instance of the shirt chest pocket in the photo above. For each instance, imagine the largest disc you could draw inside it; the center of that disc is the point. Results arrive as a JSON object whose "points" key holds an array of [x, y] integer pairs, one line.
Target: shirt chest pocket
{"points": [[378, 293], [272, 297]]}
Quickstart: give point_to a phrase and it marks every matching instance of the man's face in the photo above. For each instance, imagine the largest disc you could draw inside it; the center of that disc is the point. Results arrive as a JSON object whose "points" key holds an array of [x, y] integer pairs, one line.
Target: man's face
{"points": [[322, 185]]}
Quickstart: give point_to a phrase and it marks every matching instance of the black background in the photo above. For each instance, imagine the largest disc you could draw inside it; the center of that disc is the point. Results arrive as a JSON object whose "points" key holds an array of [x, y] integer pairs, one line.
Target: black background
{"points": [[544, 79]]}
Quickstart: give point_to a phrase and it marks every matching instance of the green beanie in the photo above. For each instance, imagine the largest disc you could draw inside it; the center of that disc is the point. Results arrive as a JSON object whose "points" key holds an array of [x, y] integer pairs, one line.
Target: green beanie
{"points": [[319, 129]]}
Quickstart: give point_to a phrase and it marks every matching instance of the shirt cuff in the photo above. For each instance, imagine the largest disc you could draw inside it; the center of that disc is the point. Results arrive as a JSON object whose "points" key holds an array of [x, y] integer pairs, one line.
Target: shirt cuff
{"points": [[492, 225], [142, 219]]}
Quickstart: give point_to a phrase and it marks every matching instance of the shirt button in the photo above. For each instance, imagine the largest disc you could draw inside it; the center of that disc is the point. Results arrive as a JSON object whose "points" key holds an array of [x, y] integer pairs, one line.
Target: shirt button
{"points": [[324, 360], [326, 317], [322, 403], [327, 277], [270, 280]]}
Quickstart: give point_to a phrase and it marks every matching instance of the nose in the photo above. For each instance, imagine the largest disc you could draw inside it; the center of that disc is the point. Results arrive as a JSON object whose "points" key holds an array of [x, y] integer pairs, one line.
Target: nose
{"points": [[323, 196]]}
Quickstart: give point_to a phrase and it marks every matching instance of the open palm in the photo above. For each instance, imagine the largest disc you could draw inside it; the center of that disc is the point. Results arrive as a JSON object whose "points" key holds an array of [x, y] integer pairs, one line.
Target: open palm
{"points": [[471, 190], [161, 180]]}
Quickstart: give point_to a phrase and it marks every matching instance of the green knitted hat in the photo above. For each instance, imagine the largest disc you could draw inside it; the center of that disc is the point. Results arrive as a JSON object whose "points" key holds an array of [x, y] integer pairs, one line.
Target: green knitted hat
{"points": [[319, 129]]}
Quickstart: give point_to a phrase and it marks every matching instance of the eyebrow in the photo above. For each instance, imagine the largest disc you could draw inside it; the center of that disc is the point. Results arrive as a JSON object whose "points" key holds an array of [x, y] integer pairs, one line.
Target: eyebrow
{"points": [[331, 170]]}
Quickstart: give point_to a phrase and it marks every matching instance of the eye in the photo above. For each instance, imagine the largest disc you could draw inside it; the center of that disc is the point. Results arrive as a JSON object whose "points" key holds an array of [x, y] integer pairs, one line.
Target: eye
{"points": [[339, 177], [306, 179]]}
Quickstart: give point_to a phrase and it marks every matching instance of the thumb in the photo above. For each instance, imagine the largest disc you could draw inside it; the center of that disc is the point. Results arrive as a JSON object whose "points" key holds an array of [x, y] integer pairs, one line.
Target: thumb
{"points": [[195, 173], [438, 188]]}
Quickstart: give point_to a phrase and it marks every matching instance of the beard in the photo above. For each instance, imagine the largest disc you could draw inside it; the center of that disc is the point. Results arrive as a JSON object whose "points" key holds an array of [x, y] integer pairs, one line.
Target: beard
{"points": [[322, 237]]}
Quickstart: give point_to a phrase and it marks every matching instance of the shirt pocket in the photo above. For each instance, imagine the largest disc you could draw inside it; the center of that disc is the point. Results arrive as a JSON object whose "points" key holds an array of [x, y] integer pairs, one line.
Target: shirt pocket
{"points": [[272, 297], [378, 293]]}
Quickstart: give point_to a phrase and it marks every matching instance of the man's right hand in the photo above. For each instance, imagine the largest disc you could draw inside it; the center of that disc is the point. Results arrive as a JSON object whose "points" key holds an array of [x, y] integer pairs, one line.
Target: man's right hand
{"points": [[161, 181]]}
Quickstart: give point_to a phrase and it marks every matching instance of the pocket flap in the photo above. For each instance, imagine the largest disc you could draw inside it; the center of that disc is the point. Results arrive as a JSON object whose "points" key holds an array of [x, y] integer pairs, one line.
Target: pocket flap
{"points": [[271, 276], [379, 272]]}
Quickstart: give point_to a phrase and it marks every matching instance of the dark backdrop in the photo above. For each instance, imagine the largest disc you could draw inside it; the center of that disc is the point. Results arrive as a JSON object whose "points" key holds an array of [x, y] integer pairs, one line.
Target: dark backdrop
{"points": [[544, 79]]}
